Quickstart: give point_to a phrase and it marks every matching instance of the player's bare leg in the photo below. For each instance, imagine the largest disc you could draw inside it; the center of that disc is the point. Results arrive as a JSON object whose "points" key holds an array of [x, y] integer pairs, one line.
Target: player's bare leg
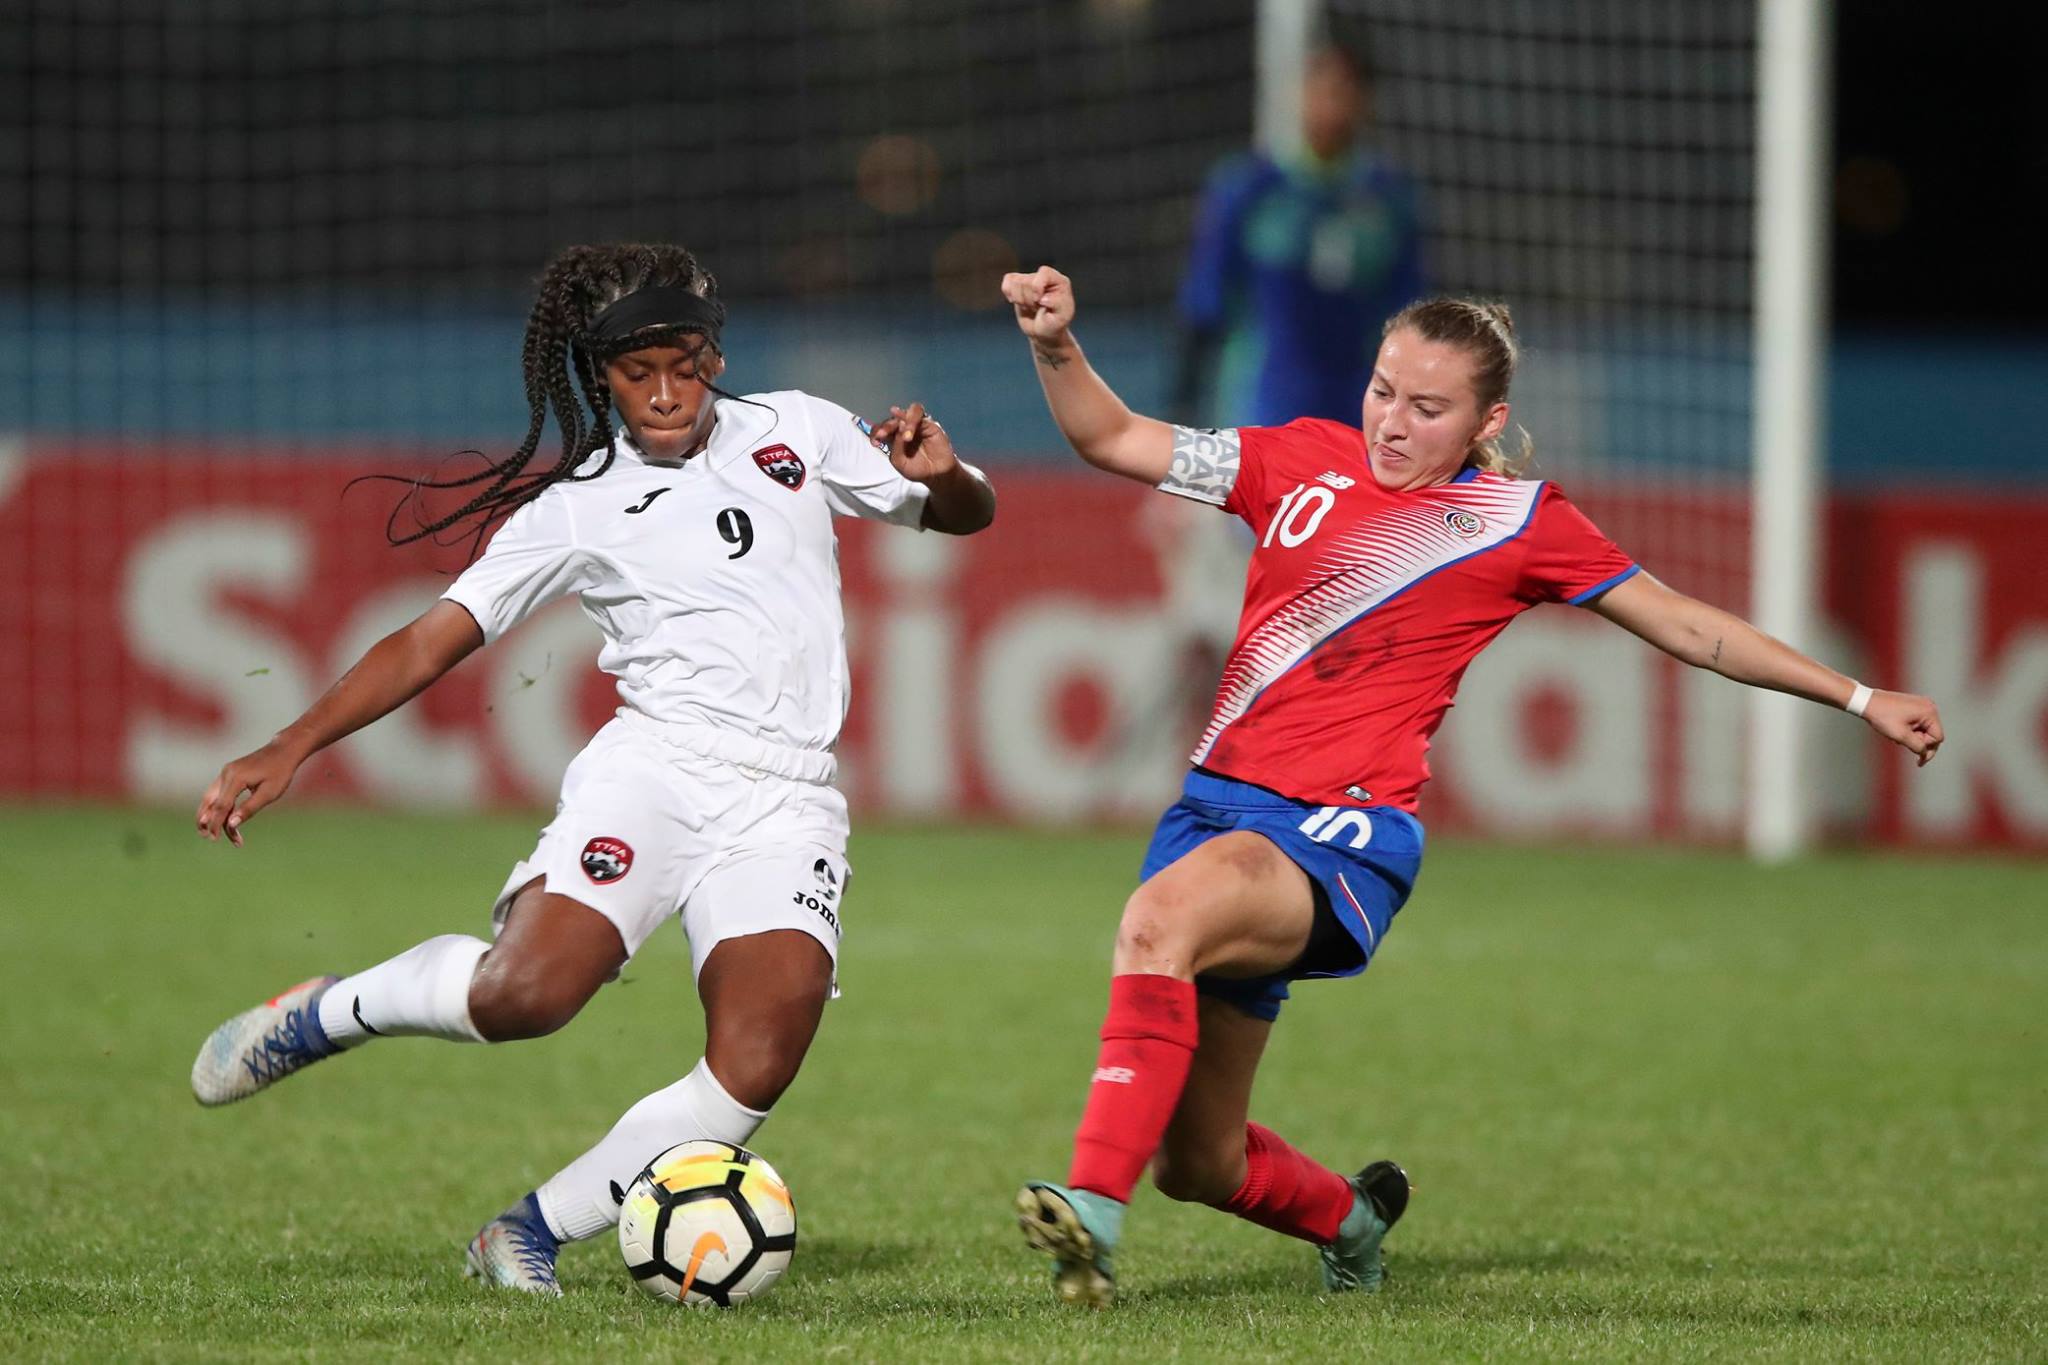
{"points": [[763, 996], [552, 955], [1235, 905], [1213, 1154], [1201, 1159]]}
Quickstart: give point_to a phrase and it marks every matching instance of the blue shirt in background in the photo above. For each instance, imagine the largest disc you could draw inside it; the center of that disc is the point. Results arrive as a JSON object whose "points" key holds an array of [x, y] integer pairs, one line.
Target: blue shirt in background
{"points": [[1297, 265]]}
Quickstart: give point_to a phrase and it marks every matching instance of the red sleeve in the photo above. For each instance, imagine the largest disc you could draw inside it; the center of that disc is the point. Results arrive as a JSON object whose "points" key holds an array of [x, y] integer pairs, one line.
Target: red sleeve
{"points": [[1271, 460], [1258, 447], [1568, 559]]}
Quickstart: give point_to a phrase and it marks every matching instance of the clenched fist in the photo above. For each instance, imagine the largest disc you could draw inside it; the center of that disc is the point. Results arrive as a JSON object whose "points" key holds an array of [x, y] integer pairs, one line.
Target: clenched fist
{"points": [[1044, 303]]}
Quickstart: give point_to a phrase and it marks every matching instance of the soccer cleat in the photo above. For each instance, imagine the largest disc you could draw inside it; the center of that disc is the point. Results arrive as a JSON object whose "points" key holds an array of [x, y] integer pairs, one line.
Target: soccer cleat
{"points": [[1078, 1229], [516, 1250], [1353, 1261], [260, 1047]]}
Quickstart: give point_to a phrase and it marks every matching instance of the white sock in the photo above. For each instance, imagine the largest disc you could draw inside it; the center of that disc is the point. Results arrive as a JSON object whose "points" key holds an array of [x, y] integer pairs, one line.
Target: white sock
{"points": [[578, 1201], [422, 991]]}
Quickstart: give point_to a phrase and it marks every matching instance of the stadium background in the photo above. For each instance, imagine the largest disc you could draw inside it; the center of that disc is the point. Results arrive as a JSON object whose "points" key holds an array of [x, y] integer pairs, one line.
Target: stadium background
{"points": [[1659, 1103], [249, 250]]}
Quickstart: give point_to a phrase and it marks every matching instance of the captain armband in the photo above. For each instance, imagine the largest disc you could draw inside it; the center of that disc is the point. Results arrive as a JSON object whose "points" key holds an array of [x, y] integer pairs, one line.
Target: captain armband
{"points": [[1205, 464]]}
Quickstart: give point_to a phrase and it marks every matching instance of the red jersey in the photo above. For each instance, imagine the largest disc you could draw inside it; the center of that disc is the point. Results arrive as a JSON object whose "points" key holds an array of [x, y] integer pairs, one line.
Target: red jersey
{"points": [[1363, 606]]}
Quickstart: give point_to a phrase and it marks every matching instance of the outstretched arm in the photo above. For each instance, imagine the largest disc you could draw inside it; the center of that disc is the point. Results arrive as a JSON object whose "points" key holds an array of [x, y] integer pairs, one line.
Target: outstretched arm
{"points": [[1094, 420], [396, 669], [1708, 637]]}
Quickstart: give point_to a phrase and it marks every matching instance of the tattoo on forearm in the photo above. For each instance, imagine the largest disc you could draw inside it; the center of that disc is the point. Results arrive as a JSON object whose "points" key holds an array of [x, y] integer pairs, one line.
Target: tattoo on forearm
{"points": [[1717, 652], [1049, 357]]}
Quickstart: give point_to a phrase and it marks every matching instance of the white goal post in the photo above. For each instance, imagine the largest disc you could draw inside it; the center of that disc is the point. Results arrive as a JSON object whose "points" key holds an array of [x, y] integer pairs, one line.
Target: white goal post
{"points": [[1788, 435]]}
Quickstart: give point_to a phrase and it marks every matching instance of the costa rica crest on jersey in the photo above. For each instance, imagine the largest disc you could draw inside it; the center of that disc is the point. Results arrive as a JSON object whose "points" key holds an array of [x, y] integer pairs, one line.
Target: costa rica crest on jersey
{"points": [[606, 859], [1464, 523], [781, 464]]}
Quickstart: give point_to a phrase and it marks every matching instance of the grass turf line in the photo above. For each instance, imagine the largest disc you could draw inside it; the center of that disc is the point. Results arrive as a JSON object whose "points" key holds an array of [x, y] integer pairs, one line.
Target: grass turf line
{"points": [[1656, 1104]]}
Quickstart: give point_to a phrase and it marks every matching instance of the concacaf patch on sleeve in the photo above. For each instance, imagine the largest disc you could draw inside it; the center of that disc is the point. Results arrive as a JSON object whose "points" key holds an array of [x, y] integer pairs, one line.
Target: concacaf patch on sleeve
{"points": [[867, 429]]}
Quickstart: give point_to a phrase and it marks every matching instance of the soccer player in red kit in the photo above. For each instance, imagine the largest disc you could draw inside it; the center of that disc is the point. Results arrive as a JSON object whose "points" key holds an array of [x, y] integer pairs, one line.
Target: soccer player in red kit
{"points": [[1388, 555]]}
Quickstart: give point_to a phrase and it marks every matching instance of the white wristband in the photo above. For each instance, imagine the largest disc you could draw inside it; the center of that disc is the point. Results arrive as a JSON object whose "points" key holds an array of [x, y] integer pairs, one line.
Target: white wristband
{"points": [[1858, 700]]}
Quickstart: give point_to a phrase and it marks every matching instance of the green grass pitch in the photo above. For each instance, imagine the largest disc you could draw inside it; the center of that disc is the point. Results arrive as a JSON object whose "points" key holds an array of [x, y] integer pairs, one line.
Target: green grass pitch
{"points": [[1656, 1105]]}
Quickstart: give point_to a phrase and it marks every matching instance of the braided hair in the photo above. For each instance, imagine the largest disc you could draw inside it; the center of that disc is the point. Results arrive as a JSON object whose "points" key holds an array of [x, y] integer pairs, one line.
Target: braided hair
{"points": [[563, 367]]}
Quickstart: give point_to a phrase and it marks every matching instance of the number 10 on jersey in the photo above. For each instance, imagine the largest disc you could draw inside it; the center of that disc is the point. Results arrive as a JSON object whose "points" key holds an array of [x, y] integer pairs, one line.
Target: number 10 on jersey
{"points": [[1298, 515]]}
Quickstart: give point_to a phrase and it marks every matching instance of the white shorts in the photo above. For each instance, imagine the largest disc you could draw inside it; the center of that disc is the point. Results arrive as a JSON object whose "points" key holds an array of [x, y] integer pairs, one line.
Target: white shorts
{"points": [[652, 822]]}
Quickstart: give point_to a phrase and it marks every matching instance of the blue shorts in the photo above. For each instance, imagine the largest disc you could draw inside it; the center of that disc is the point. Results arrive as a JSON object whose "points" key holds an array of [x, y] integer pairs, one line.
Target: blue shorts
{"points": [[1361, 860]]}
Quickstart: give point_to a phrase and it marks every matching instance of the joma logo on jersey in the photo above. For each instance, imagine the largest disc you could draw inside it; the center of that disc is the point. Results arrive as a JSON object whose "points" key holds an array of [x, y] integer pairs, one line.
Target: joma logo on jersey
{"points": [[818, 908], [606, 859], [781, 464], [1464, 523]]}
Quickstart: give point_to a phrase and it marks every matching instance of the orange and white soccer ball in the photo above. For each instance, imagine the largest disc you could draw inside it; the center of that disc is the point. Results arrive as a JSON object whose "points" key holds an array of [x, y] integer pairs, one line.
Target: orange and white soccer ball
{"points": [[707, 1223]]}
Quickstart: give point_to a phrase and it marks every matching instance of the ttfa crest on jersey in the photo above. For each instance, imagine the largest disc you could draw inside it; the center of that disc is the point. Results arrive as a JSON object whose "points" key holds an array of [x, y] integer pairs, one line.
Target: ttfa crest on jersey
{"points": [[606, 859], [1464, 523], [781, 464]]}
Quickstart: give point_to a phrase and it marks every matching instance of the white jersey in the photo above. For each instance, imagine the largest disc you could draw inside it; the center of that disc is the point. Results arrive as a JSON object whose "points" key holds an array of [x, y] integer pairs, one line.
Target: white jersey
{"points": [[715, 582]]}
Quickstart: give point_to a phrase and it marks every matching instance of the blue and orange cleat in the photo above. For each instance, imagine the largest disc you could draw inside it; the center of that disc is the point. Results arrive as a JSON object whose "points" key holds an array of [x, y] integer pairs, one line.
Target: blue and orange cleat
{"points": [[260, 1047], [516, 1250]]}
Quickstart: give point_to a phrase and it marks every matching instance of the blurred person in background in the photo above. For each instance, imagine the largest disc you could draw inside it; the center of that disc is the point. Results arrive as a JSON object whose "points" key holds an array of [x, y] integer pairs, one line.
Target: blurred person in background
{"points": [[697, 533], [1296, 263], [1391, 549]]}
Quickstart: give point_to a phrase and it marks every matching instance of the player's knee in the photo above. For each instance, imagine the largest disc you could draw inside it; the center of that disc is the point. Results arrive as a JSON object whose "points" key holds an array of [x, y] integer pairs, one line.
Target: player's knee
{"points": [[1153, 928], [516, 999], [754, 1070]]}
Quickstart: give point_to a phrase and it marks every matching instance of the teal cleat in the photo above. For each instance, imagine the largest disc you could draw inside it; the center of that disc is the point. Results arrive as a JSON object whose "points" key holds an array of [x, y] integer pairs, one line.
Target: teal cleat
{"points": [[1079, 1230], [1353, 1261]]}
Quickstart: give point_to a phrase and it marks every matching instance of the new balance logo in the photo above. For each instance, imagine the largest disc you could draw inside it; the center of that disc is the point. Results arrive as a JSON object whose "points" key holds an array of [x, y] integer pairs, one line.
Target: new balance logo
{"points": [[1115, 1075], [1335, 480]]}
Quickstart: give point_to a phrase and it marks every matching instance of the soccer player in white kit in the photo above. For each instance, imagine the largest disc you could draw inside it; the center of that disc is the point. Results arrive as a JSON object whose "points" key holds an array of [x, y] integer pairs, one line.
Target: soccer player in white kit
{"points": [[697, 534]]}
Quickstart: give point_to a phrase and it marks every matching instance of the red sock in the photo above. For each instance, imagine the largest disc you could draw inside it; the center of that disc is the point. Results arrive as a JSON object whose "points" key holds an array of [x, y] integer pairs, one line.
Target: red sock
{"points": [[1148, 1040], [1288, 1192]]}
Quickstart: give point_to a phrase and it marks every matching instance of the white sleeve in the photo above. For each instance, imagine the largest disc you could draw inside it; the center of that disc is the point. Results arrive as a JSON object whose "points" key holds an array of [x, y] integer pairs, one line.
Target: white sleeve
{"points": [[859, 480], [530, 562]]}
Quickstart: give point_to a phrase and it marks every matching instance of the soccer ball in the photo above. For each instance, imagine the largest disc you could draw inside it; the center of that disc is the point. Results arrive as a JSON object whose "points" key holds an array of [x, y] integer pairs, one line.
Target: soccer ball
{"points": [[707, 1223]]}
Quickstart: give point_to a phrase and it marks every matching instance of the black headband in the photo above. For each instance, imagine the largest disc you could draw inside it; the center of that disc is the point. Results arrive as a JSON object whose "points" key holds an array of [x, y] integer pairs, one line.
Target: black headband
{"points": [[664, 305]]}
